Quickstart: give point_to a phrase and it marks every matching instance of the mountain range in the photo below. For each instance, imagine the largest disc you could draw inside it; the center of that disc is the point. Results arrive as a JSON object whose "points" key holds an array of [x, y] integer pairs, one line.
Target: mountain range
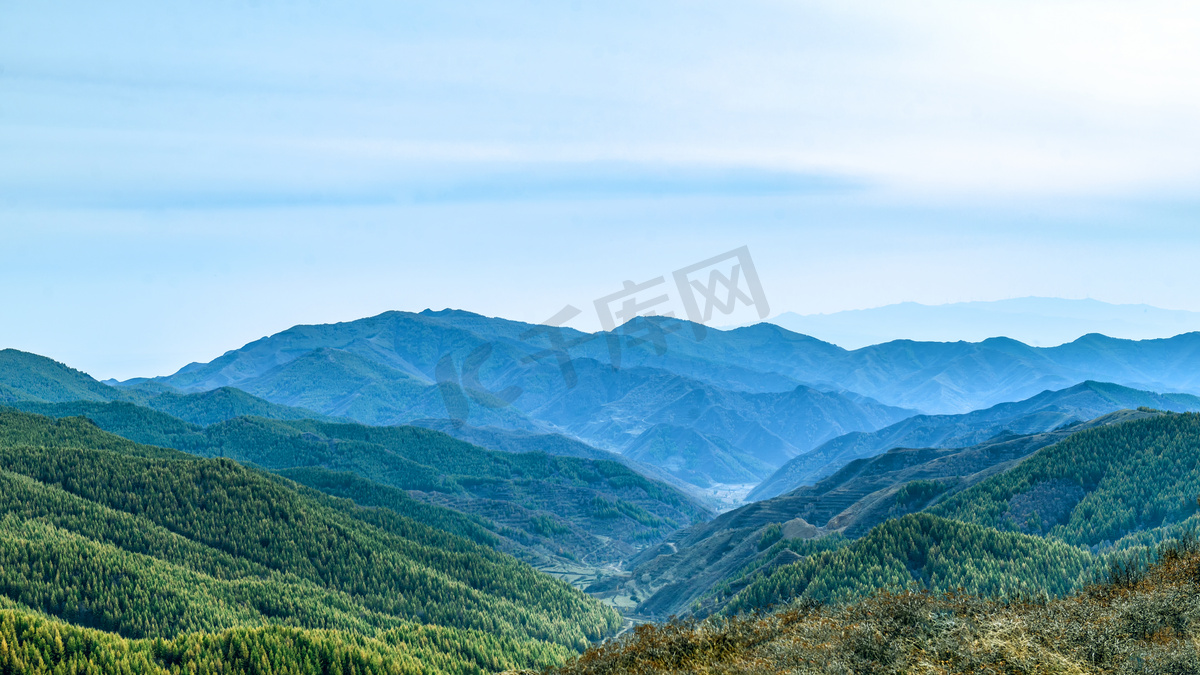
{"points": [[141, 543], [703, 567], [385, 370], [440, 492], [1047, 411], [711, 407], [1042, 322], [928, 377]]}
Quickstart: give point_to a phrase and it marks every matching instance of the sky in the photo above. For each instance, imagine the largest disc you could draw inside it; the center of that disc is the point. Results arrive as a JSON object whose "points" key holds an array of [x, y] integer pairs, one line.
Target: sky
{"points": [[178, 179]]}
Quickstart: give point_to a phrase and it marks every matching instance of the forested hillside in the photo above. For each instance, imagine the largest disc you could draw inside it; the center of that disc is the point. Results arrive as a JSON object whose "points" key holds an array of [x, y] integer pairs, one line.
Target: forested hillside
{"points": [[1124, 480], [29, 378], [1105, 491], [544, 508], [722, 552], [1094, 487], [1045, 412], [924, 551], [1138, 621], [33, 644], [146, 543]]}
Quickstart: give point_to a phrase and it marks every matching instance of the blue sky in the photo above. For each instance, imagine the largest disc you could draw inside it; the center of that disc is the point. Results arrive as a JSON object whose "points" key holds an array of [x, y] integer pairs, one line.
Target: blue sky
{"points": [[177, 179]]}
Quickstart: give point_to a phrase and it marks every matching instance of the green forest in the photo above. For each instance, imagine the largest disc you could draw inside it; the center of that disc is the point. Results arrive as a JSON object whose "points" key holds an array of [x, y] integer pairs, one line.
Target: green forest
{"points": [[147, 531], [1130, 477], [1047, 526], [147, 544], [521, 497], [924, 551]]}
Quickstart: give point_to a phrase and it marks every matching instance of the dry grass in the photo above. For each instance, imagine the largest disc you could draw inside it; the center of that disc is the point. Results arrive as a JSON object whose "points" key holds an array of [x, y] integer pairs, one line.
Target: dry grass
{"points": [[1139, 621]]}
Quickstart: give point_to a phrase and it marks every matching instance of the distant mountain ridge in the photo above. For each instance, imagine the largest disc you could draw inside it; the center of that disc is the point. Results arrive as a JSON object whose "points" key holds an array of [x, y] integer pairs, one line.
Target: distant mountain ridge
{"points": [[392, 369], [931, 377], [1035, 321], [1045, 412], [30, 378], [749, 399]]}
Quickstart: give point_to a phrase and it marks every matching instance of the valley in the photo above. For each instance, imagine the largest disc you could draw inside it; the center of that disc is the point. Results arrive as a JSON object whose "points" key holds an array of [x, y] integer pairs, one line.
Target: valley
{"points": [[698, 482], [599, 338]]}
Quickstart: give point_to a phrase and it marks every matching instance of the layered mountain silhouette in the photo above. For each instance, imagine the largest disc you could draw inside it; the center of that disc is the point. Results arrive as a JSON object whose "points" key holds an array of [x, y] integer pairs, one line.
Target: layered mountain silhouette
{"points": [[1045, 412], [31, 378], [402, 368], [714, 406], [932, 377], [370, 480], [859, 497], [1037, 321]]}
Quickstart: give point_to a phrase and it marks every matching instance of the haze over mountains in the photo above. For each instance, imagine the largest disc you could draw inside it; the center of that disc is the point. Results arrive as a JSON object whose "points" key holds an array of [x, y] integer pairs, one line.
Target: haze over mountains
{"points": [[702, 567], [1040, 322], [1047, 411], [603, 462], [383, 369]]}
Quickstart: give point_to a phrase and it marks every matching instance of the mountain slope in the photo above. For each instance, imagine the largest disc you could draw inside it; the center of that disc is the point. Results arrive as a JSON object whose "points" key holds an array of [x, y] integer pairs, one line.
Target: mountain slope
{"points": [[616, 408], [1099, 491], [146, 542], [340, 383], [28, 377], [543, 508], [925, 551], [516, 440], [694, 457], [34, 644], [1047, 411], [383, 370], [1145, 622], [866, 492], [1096, 486], [219, 405], [860, 496]]}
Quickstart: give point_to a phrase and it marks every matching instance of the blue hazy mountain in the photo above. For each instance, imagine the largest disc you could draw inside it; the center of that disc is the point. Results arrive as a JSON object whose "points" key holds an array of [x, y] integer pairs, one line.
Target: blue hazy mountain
{"points": [[30, 378], [759, 392], [1042, 413], [852, 501], [931, 377], [400, 367], [1040, 322], [958, 377]]}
